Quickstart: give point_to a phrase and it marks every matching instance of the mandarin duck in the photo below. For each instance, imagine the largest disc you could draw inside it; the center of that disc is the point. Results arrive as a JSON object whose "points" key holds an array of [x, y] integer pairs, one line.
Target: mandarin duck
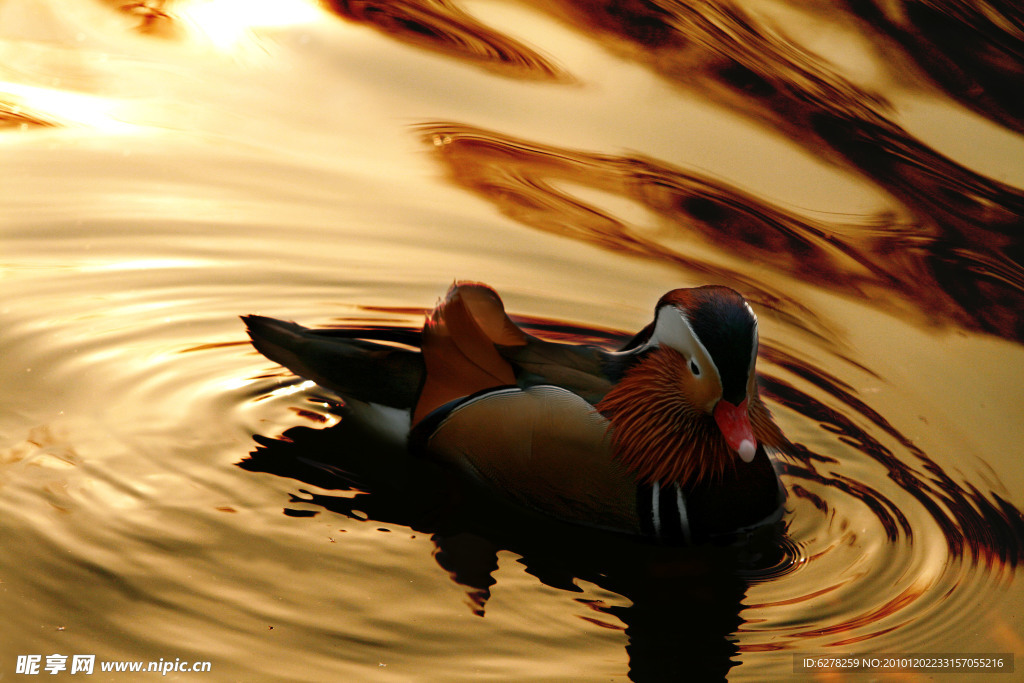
{"points": [[666, 437]]}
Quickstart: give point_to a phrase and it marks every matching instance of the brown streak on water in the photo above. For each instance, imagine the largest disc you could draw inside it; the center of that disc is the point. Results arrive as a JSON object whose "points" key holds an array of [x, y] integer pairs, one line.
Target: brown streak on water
{"points": [[442, 26]]}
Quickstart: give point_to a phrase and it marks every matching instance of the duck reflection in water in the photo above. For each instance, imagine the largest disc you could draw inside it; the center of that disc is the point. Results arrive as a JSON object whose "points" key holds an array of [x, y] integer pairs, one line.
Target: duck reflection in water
{"points": [[684, 602], [664, 439]]}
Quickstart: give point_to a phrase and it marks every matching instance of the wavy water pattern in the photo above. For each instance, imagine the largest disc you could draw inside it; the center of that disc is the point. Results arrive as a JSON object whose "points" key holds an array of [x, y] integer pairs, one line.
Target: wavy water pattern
{"points": [[973, 51], [441, 26], [166, 492], [729, 55], [894, 265], [846, 537]]}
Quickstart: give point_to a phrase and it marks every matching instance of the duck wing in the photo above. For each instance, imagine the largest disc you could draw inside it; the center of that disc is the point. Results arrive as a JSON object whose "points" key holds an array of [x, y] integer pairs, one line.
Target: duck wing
{"points": [[470, 345], [353, 368], [583, 370]]}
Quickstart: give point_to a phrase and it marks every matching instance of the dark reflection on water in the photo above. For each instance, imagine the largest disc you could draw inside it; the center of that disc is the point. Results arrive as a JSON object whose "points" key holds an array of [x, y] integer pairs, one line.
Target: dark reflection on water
{"points": [[963, 239], [974, 51], [920, 271], [440, 25], [732, 56], [684, 602]]}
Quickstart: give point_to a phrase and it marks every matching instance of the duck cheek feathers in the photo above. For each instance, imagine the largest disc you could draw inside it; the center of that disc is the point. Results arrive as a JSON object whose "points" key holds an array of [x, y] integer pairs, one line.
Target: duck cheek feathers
{"points": [[734, 424]]}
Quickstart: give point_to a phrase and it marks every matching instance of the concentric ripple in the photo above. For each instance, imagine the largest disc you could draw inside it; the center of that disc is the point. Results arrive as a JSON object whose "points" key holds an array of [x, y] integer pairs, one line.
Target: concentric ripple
{"points": [[879, 544]]}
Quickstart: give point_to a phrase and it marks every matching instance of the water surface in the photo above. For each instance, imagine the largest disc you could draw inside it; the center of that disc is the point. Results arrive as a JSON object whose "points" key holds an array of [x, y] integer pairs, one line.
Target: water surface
{"points": [[165, 492]]}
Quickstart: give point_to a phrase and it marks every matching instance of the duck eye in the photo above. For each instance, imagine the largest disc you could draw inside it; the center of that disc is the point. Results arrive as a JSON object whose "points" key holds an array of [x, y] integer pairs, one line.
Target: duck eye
{"points": [[694, 369]]}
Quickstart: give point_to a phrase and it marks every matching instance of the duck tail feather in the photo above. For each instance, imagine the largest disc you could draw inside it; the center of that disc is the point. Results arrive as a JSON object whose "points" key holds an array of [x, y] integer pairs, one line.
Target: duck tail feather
{"points": [[355, 369]]}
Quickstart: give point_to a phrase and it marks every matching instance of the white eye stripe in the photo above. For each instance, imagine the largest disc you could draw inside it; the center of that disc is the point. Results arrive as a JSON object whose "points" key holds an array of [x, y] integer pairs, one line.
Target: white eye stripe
{"points": [[672, 329]]}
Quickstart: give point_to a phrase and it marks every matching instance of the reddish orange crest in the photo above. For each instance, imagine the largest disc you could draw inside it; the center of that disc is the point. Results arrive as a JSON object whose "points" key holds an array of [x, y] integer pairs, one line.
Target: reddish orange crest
{"points": [[458, 345]]}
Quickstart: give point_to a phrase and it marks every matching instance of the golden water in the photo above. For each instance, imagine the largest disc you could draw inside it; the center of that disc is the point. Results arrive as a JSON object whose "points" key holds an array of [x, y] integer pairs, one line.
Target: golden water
{"points": [[854, 168]]}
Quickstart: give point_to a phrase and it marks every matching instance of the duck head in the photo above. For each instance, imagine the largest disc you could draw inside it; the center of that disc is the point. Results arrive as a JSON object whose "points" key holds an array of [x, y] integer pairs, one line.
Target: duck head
{"points": [[686, 408]]}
